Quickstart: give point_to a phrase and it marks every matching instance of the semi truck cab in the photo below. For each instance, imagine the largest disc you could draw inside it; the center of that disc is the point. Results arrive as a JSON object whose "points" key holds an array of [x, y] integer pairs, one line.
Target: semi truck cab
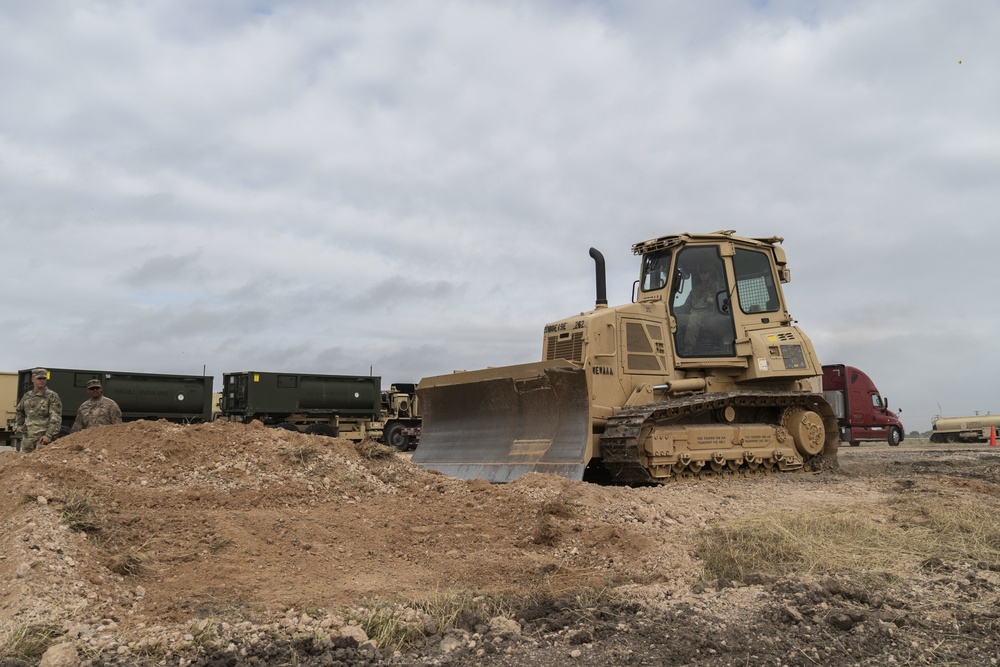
{"points": [[862, 412]]}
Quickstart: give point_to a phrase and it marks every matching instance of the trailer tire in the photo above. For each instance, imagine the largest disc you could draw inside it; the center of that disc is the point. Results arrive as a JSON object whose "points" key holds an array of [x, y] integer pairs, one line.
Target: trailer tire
{"points": [[393, 437], [951, 438], [326, 430], [287, 426], [895, 437], [855, 443]]}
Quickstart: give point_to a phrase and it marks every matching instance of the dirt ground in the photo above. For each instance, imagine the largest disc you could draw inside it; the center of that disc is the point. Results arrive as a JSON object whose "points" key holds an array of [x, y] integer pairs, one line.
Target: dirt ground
{"points": [[224, 544]]}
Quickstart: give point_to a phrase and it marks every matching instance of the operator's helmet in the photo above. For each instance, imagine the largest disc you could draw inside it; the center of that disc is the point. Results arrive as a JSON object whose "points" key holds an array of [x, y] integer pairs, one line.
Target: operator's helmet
{"points": [[705, 271]]}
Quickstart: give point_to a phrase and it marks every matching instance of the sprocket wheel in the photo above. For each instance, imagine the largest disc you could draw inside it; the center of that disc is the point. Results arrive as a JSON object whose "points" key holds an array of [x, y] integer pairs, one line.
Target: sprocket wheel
{"points": [[806, 428]]}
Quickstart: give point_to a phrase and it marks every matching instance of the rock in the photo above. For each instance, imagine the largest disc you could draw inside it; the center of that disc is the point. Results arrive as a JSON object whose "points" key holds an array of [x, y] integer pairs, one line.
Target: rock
{"points": [[793, 614], [60, 655], [451, 643], [355, 632], [841, 621], [505, 627]]}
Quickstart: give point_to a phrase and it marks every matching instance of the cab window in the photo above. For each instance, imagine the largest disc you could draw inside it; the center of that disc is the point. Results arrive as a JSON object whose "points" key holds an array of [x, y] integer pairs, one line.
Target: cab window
{"points": [[655, 271], [755, 282]]}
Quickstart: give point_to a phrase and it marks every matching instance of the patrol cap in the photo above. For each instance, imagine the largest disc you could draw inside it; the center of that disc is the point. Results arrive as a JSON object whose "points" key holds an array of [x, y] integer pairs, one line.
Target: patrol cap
{"points": [[93, 383], [40, 374]]}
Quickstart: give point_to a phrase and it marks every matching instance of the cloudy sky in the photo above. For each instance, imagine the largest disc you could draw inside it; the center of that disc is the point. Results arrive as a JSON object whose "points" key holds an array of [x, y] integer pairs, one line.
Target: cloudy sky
{"points": [[411, 187]]}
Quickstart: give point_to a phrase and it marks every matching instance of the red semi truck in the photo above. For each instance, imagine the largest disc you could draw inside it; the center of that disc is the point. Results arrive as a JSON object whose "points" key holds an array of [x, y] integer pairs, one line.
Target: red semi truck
{"points": [[862, 413]]}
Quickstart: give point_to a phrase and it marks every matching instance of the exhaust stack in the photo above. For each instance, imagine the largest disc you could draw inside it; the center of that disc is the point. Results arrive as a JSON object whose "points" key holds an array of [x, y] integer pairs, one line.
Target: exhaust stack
{"points": [[602, 283]]}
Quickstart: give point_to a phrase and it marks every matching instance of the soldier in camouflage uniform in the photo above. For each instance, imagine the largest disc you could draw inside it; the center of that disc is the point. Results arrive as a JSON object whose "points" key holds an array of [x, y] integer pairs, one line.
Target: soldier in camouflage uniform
{"points": [[39, 413], [98, 410]]}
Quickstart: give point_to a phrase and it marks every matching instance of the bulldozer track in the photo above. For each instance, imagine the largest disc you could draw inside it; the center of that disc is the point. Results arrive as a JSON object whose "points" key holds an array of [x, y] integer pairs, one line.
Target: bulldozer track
{"points": [[620, 442]]}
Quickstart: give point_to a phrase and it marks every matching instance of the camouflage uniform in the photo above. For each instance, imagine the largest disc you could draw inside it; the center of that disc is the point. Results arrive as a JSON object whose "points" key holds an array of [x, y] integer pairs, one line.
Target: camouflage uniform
{"points": [[38, 414], [699, 313], [97, 412]]}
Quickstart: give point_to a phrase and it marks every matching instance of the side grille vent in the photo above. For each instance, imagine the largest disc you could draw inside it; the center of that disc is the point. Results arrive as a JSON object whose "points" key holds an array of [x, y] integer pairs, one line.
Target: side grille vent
{"points": [[565, 346]]}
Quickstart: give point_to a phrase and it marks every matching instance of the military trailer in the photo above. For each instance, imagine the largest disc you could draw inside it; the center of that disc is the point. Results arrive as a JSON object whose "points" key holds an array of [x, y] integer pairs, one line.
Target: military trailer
{"points": [[344, 406], [964, 429], [181, 399], [8, 401]]}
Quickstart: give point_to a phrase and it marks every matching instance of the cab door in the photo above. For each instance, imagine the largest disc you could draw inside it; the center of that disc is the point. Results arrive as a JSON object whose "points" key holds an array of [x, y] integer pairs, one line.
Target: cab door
{"points": [[700, 304]]}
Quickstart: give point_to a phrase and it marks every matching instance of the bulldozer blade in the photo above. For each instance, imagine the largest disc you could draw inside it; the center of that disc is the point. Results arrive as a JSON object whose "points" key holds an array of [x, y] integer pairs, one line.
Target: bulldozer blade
{"points": [[500, 423]]}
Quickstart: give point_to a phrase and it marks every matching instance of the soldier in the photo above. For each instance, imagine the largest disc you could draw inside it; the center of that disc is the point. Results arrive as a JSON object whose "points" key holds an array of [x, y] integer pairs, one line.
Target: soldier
{"points": [[39, 413], [700, 311], [98, 410]]}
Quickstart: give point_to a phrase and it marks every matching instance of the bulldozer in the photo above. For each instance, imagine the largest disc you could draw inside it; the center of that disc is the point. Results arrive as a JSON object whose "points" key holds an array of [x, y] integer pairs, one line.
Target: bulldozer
{"points": [[703, 374]]}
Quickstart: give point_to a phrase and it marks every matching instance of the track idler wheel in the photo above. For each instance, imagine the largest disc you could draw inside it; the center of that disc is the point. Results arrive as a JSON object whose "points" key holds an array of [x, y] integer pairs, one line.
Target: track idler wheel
{"points": [[806, 429]]}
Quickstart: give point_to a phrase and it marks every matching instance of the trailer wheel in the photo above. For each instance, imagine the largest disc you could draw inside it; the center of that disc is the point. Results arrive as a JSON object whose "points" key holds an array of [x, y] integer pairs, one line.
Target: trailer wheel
{"points": [[393, 437], [287, 426], [951, 439], [895, 437], [855, 443], [322, 429]]}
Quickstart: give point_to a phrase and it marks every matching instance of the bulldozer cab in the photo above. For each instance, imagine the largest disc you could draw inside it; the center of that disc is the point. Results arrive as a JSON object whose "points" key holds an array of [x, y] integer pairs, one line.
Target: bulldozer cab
{"points": [[712, 290]]}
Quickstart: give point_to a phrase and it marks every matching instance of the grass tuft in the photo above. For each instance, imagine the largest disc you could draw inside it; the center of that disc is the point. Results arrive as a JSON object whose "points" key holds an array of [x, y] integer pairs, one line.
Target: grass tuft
{"points": [[301, 455], [375, 451], [27, 643], [905, 533], [398, 628], [560, 506], [78, 512], [129, 564], [546, 532]]}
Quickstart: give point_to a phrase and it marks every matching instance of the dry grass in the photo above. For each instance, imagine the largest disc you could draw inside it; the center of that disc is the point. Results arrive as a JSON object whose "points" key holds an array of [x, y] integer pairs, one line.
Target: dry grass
{"points": [[855, 539], [25, 644], [374, 451], [546, 532], [560, 506], [128, 564], [77, 511], [404, 627], [300, 455], [398, 628]]}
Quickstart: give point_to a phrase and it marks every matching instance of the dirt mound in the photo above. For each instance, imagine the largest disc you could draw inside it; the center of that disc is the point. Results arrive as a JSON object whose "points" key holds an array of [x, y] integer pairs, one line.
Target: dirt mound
{"points": [[153, 543], [196, 520]]}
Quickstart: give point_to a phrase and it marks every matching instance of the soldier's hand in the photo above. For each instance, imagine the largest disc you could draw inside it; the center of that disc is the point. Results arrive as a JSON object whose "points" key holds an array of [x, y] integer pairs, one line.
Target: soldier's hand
{"points": [[45, 440]]}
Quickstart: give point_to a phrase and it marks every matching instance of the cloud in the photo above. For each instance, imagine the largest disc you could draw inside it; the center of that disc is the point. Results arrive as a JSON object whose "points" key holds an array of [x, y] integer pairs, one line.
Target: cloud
{"points": [[415, 185]]}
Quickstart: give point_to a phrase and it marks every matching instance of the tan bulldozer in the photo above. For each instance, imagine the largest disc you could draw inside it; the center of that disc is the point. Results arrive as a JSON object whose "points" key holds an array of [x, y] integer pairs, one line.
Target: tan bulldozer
{"points": [[703, 374]]}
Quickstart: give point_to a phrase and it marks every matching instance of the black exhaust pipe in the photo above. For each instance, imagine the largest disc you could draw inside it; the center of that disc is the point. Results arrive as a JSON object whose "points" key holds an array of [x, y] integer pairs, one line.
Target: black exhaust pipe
{"points": [[602, 282]]}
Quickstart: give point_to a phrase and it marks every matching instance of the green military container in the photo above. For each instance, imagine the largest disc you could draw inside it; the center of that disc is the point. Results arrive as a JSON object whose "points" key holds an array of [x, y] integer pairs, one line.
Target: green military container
{"points": [[335, 405], [8, 399], [176, 398]]}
